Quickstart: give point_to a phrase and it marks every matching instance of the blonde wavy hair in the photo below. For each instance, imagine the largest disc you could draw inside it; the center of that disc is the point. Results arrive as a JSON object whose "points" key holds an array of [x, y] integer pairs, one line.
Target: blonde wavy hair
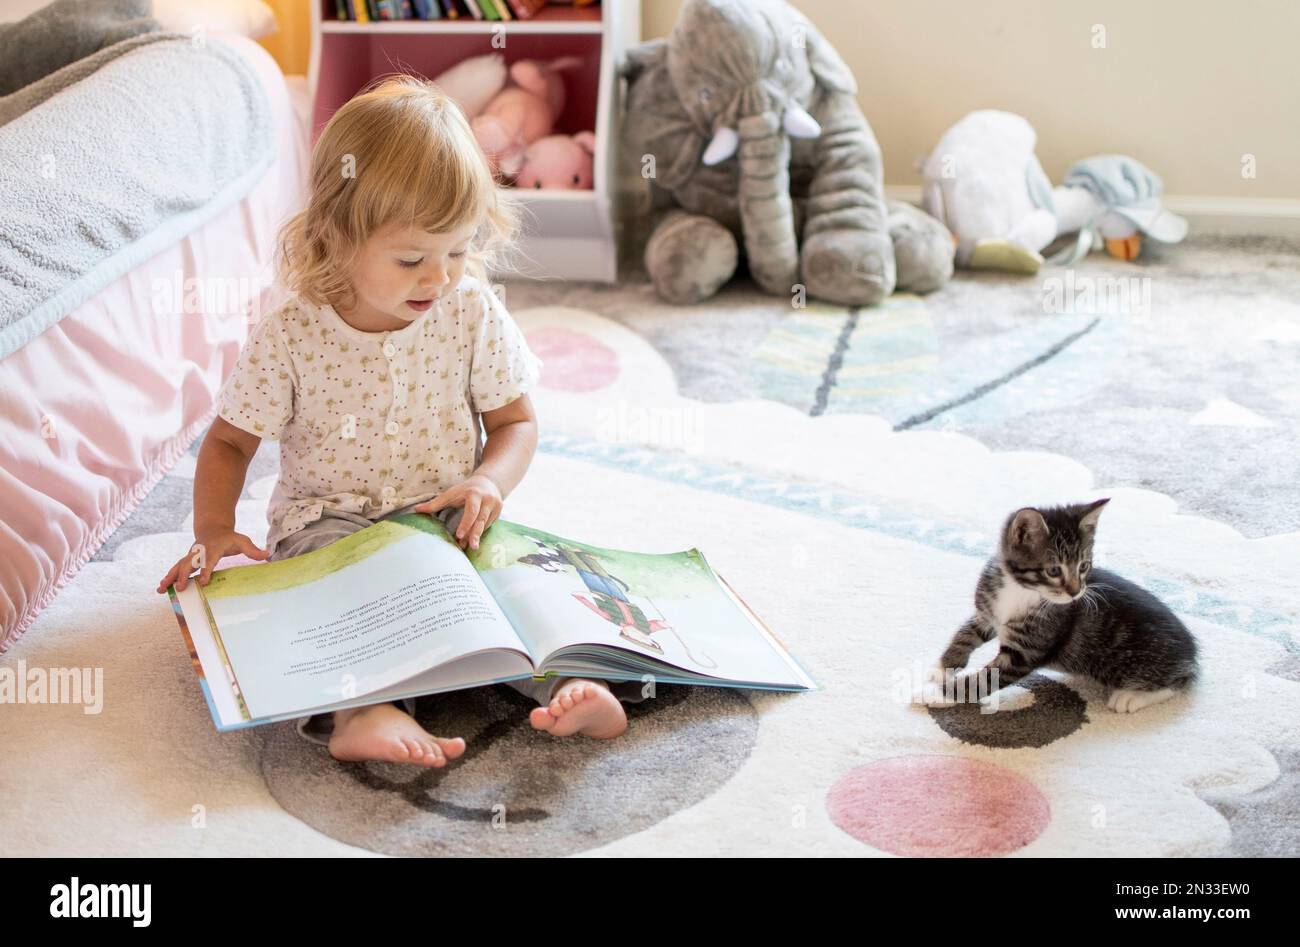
{"points": [[399, 152]]}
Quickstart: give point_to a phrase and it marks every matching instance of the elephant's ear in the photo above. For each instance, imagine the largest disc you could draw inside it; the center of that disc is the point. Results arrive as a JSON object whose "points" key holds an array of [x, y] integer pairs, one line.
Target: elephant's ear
{"points": [[654, 122], [826, 64], [639, 58]]}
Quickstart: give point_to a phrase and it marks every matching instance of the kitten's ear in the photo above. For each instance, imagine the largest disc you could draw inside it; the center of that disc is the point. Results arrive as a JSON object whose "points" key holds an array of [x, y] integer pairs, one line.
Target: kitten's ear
{"points": [[1091, 513], [1027, 528]]}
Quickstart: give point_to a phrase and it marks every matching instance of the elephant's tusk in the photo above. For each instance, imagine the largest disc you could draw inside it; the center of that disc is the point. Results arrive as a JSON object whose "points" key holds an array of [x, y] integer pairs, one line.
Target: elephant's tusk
{"points": [[722, 147], [799, 124]]}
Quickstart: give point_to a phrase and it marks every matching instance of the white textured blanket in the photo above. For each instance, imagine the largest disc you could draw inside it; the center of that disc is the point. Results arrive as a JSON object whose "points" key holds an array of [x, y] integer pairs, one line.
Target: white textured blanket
{"points": [[114, 157]]}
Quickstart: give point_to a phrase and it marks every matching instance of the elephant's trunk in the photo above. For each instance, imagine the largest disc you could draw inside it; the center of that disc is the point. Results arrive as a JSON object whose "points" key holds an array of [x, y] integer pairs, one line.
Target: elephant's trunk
{"points": [[766, 213]]}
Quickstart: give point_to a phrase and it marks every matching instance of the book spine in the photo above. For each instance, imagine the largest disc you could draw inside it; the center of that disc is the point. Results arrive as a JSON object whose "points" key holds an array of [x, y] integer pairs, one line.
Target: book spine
{"points": [[449, 9], [503, 9], [524, 9]]}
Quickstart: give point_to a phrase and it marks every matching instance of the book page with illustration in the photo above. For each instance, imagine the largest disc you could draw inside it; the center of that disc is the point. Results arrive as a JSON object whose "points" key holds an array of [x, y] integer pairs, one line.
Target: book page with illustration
{"points": [[559, 593]]}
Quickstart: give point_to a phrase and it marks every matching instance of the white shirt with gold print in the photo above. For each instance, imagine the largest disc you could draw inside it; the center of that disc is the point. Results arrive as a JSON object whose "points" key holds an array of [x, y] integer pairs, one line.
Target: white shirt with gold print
{"points": [[372, 421]]}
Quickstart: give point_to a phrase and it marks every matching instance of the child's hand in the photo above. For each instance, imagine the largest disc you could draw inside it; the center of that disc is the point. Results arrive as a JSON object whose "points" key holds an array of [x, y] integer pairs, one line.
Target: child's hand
{"points": [[207, 551], [480, 497]]}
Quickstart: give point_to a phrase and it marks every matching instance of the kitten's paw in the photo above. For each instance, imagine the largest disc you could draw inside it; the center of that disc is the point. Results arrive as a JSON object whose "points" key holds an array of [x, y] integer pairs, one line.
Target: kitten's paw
{"points": [[1125, 701], [933, 692], [1007, 699]]}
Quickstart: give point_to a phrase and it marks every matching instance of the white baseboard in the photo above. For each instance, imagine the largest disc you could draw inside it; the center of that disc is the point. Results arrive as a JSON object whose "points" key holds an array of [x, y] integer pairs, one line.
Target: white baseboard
{"points": [[1271, 216]]}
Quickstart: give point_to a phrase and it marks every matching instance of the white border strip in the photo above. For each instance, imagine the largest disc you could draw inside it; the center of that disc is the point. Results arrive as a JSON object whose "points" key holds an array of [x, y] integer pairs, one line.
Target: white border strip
{"points": [[1261, 216]]}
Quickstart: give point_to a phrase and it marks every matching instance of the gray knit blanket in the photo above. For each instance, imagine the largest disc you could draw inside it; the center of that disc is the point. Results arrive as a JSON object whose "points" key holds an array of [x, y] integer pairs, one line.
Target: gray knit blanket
{"points": [[63, 32], [114, 157]]}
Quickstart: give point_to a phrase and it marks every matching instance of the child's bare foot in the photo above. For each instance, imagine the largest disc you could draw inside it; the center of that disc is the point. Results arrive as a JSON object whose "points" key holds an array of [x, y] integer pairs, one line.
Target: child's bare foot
{"points": [[383, 732], [581, 706]]}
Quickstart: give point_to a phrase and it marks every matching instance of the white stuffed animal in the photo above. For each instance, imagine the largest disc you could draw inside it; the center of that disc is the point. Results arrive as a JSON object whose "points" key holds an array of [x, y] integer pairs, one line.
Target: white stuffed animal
{"points": [[985, 183], [980, 181], [474, 82]]}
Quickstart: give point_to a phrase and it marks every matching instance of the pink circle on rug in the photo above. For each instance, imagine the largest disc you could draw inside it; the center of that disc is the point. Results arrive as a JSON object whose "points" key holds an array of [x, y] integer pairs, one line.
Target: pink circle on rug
{"points": [[943, 806], [574, 361]]}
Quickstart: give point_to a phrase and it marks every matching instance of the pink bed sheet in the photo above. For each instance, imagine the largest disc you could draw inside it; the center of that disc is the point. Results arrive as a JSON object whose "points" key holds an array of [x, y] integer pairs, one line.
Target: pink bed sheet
{"points": [[97, 408]]}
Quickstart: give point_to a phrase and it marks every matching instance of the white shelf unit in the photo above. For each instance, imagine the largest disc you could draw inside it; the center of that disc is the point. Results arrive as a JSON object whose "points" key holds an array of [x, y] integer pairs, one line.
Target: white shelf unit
{"points": [[566, 234]]}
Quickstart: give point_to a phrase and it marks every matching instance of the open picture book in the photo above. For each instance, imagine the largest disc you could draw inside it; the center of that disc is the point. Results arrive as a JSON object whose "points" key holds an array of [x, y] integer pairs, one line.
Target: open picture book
{"points": [[399, 610]]}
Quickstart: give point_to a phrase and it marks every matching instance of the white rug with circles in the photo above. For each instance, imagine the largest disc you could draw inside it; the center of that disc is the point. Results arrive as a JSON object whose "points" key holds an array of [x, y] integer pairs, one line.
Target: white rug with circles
{"points": [[858, 545]]}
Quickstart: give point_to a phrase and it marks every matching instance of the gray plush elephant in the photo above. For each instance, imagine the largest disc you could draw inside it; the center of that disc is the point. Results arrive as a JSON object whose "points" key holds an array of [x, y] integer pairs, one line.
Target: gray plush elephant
{"points": [[747, 125]]}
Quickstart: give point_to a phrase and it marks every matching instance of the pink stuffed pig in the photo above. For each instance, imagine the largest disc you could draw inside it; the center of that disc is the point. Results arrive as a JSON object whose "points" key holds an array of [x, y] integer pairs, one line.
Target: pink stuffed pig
{"points": [[559, 162], [522, 112]]}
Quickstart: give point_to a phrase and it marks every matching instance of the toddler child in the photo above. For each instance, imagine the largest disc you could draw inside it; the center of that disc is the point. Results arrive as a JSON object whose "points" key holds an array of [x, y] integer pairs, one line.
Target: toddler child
{"points": [[376, 376]]}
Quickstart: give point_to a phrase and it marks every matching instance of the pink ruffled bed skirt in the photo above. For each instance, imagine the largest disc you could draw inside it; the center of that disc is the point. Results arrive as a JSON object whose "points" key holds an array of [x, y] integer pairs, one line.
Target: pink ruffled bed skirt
{"points": [[98, 407]]}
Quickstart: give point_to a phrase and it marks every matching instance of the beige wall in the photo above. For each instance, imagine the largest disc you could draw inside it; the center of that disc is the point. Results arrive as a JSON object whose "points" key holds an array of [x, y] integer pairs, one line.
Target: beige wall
{"points": [[1185, 86], [291, 43]]}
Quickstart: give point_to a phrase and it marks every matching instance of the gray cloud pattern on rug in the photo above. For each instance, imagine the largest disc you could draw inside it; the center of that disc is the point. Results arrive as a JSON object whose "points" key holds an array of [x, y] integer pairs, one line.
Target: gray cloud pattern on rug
{"points": [[517, 791]]}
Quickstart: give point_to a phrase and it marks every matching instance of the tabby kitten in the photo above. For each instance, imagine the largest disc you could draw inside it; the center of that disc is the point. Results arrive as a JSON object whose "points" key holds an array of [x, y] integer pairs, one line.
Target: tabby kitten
{"points": [[1047, 606]]}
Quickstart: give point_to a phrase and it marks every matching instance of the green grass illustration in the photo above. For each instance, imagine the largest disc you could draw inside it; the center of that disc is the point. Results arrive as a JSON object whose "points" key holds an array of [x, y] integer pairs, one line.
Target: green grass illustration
{"points": [[311, 566], [678, 574]]}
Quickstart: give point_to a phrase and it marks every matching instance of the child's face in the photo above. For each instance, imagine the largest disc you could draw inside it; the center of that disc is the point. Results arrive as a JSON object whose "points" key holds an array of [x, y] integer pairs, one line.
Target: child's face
{"points": [[401, 270]]}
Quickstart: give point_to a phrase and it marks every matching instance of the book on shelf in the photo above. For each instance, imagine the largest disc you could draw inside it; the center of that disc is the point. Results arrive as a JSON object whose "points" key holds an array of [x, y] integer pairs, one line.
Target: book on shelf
{"points": [[378, 11], [524, 9], [398, 609]]}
